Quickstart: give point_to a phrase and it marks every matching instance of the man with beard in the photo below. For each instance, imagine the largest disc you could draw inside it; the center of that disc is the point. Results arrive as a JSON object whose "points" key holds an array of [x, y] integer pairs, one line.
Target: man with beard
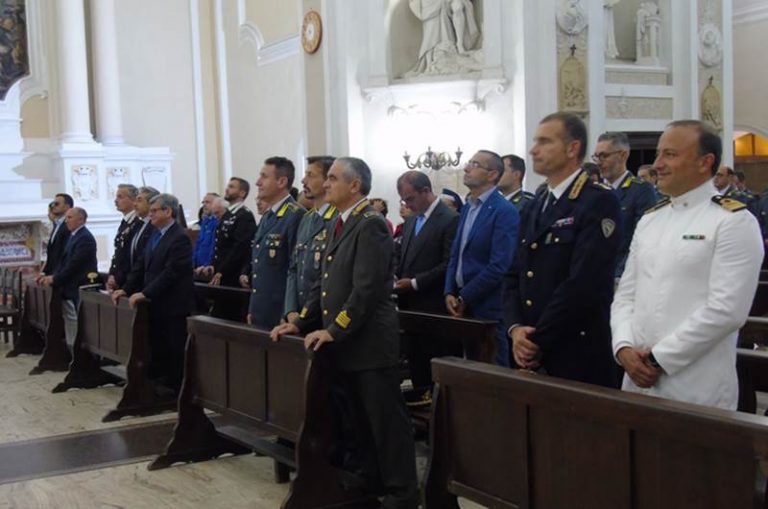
{"points": [[233, 235], [311, 238]]}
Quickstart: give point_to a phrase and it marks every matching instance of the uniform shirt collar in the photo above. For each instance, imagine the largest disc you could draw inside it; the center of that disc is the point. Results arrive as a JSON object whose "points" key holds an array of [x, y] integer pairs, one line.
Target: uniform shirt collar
{"points": [[345, 215], [129, 217], [274, 208], [564, 185], [694, 197], [76, 230], [322, 210], [616, 183], [513, 194], [236, 206]]}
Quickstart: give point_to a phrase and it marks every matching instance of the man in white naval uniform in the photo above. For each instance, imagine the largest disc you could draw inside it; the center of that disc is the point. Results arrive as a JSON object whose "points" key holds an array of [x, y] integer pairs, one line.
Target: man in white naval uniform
{"points": [[690, 279]]}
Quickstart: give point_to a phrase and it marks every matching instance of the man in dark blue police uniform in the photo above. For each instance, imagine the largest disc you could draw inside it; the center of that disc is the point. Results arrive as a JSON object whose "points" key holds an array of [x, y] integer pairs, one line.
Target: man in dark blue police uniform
{"points": [[273, 243], [511, 183], [560, 288], [635, 195], [312, 237]]}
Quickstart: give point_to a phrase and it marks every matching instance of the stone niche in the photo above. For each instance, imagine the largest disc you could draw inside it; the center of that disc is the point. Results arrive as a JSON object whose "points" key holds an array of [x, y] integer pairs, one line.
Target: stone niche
{"points": [[405, 39], [623, 69]]}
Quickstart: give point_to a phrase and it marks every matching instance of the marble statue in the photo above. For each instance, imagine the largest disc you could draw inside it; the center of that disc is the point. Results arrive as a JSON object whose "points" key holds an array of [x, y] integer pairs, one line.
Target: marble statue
{"points": [[647, 34], [451, 36], [571, 17], [611, 51]]}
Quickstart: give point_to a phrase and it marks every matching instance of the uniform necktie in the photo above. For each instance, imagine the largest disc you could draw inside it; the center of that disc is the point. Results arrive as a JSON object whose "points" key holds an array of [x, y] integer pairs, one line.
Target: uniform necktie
{"points": [[420, 220], [338, 228], [550, 201]]}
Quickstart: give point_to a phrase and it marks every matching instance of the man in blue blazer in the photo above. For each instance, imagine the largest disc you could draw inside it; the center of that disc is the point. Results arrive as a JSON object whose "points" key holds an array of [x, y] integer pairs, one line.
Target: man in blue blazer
{"points": [[483, 249], [77, 261], [164, 275]]}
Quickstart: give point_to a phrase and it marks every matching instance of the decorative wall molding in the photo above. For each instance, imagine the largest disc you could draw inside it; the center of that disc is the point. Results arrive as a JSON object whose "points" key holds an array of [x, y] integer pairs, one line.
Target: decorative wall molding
{"points": [[223, 88], [85, 182], [750, 13], [197, 90], [249, 33]]}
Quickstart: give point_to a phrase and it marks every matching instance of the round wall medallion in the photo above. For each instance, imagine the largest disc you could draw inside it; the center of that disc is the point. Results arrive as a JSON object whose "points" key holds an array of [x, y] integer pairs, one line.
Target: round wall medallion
{"points": [[311, 32]]}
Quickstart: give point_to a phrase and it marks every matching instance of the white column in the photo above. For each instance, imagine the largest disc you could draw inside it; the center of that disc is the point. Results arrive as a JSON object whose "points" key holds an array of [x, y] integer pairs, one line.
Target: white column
{"points": [[73, 72], [106, 78]]}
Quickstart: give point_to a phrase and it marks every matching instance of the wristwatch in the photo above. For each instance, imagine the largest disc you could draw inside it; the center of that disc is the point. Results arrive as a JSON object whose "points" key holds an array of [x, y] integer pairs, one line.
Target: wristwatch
{"points": [[653, 361]]}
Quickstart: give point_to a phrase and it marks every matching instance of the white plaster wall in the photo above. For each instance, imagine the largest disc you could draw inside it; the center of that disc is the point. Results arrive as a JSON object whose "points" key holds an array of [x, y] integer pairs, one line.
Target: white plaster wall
{"points": [[750, 76], [155, 64], [265, 102]]}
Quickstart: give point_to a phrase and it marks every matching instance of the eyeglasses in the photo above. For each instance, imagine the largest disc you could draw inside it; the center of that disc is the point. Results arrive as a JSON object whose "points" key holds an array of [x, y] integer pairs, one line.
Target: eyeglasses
{"points": [[602, 156], [476, 164]]}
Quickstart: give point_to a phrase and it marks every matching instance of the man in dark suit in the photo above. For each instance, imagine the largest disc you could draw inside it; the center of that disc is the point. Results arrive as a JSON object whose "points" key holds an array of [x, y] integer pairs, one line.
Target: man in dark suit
{"points": [[233, 235], [483, 249], [144, 228], [511, 183], [77, 267], [635, 195], [273, 243], [125, 202], [59, 234], [311, 237], [422, 260], [560, 289], [351, 321], [163, 274]]}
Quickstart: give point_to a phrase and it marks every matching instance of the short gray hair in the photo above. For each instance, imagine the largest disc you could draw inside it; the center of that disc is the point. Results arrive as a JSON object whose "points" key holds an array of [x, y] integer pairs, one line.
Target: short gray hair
{"points": [[166, 201], [150, 192], [133, 191], [355, 168], [80, 211], [617, 139]]}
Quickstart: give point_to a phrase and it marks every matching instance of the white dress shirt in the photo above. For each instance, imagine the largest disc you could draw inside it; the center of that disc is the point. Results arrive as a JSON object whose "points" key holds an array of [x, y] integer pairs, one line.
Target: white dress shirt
{"points": [[687, 288]]}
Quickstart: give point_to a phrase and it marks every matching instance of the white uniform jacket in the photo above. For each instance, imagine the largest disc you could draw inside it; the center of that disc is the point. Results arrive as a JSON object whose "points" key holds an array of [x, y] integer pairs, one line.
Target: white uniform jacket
{"points": [[688, 286]]}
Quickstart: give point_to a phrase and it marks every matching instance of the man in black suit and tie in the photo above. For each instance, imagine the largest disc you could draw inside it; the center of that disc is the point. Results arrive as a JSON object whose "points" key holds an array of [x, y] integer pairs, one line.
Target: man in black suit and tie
{"points": [[77, 262], [144, 228], [352, 323], [59, 234], [422, 260], [163, 274]]}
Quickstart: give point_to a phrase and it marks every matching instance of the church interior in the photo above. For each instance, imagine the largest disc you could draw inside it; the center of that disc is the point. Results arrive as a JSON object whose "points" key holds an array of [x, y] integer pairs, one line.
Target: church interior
{"points": [[182, 96]]}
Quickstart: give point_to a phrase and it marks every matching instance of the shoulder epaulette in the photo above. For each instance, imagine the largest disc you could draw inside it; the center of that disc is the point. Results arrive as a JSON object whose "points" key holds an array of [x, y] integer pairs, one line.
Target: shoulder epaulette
{"points": [[578, 185], [602, 185], [310, 211], [360, 207], [370, 213], [292, 206], [330, 212], [661, 204], [528, 195], [729, 204]]}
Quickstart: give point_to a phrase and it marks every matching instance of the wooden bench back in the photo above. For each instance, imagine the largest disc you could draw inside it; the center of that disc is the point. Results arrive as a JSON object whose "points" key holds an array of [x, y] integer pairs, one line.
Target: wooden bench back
{"points": [[760, 302], [108, 330], [476, 336], [511, 439]]}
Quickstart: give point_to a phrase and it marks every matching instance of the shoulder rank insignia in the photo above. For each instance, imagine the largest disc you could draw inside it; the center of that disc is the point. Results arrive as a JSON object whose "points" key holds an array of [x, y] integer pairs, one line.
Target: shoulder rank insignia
{"points": [[661, 204], [360, 207], [310, 211], [627, 183], [370, 213], [286, 207], [578, 185], [602, 185], [343, 320], [729, 204], [330, 212], [303, 313]]}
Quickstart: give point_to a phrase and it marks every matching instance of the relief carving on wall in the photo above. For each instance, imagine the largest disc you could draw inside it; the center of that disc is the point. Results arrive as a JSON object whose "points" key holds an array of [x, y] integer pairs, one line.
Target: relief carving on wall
{"points": [[711, 105], [155, 176], [572, 17], [115, 177], [84, 182], [572, 93], [451, 38]]}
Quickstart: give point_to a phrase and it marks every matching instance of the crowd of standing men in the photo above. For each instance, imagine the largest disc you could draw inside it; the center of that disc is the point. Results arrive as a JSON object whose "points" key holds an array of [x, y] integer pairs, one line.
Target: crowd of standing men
{"points": [[652, 274]]}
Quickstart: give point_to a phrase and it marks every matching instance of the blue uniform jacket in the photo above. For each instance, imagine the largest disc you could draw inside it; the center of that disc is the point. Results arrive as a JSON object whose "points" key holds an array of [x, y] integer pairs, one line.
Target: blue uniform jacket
{"points": [[635, 196]]}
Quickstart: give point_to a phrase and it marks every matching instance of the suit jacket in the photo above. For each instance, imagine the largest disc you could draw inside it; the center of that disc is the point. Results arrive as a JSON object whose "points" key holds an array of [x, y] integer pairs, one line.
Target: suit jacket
{"points": [[164, 274], [304, 270], [487, 256], [425, 257], [635, 196], [121, 259], [77, 261], [562, 280], [233, 243], [351, 299], [273, 247], [139, 241], [55, 249]]}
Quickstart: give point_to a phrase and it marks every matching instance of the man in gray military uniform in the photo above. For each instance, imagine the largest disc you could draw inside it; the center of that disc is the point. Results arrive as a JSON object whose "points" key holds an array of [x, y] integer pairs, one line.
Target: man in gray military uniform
{"points": [[312, 237], [351, 322], [273, 243], [511, 183]]}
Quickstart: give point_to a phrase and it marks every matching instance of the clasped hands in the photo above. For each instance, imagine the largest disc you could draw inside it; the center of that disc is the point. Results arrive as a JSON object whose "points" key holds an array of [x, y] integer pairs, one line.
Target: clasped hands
{"points": [[637, 365], [133, 300], [314, 340], [527, 354]]}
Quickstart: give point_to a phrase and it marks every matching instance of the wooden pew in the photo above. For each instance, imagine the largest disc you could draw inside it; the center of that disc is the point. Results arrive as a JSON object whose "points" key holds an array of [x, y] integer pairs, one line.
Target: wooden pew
{"points": [[229, 297], [34, 320], [752, 368], [261, 390], [119, 334], [754, 332], [511, 439], [760, 302], [56, 356]]}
